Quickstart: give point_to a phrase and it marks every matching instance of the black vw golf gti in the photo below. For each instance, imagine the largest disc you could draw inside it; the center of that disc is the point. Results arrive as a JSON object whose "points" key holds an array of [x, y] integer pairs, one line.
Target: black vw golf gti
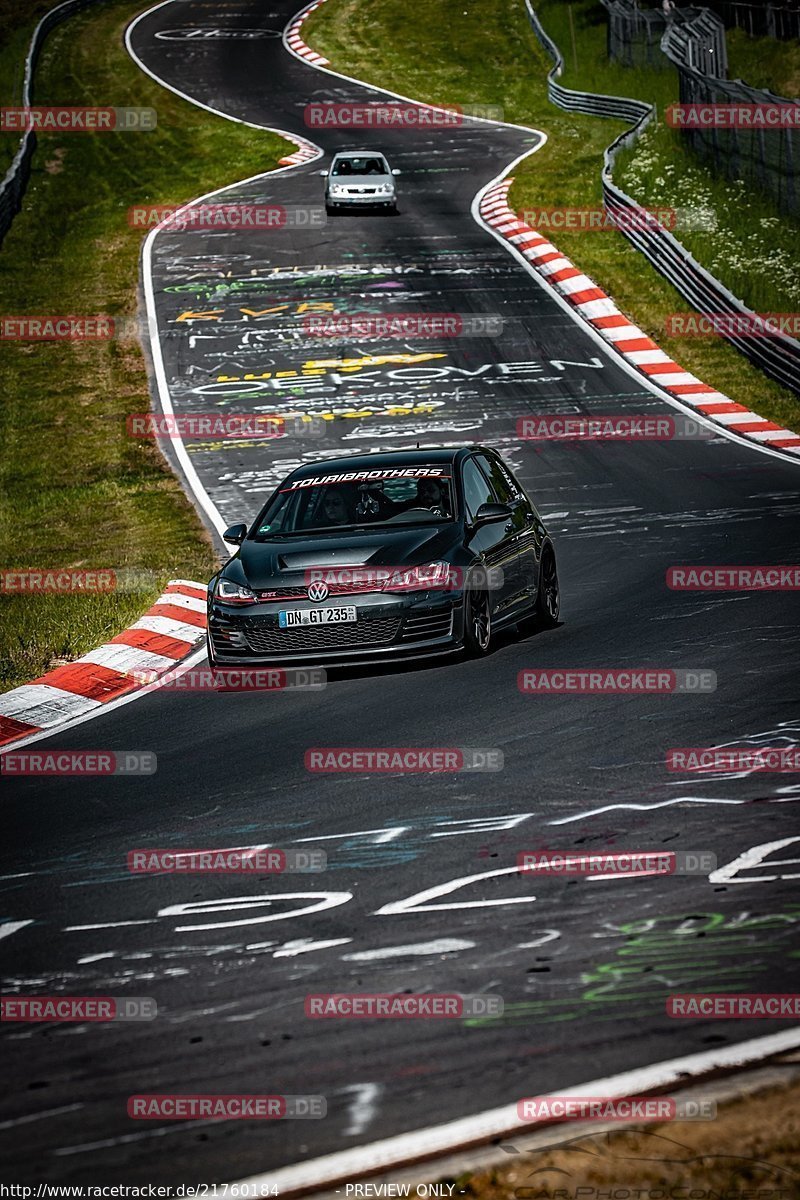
{"points": [[383, 557]]}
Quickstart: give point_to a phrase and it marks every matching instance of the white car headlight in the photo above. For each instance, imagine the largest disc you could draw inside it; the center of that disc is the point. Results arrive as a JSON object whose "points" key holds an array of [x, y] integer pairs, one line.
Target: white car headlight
{"points": [[234, 593], [434, 576]]}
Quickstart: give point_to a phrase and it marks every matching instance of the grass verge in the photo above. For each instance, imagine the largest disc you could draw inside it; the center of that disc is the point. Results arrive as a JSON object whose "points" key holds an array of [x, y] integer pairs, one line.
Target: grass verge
{"points": [[77, 491], [743, 238], [456, 52], [751, 1150]]}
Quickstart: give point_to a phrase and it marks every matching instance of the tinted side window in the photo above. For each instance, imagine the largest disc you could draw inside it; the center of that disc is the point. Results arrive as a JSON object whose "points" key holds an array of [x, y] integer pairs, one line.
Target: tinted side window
{"points": [[502, 483], [476, 489]]}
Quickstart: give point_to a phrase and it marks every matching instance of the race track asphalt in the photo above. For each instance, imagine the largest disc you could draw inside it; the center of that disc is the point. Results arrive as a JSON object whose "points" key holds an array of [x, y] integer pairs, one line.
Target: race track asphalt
{"points": [[584, 967]]}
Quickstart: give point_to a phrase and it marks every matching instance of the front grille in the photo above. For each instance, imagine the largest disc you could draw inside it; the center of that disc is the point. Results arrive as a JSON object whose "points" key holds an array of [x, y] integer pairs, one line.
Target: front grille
{"points": [[265, 637], [429, 625], [284, 593], [334, 589]]}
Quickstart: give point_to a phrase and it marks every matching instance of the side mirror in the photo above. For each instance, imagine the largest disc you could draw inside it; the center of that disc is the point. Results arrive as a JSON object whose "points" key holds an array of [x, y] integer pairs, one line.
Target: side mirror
{"points": [[235, 534], [324, 174], [492, 514], [395, 171]]}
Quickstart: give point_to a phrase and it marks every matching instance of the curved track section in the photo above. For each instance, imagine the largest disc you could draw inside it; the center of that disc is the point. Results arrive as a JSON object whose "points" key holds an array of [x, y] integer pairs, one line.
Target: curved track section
{"points": [[421, 891]]}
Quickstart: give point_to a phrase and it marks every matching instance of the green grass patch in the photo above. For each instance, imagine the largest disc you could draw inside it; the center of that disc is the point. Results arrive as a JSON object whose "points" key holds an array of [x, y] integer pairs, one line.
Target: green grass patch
{"points": [[463, 52], [77, 491], [764, 63]]}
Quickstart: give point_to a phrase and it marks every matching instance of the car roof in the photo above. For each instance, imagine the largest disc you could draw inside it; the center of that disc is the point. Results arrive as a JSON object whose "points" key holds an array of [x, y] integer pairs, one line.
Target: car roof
{"points": [[371, 462], [358, 151]]}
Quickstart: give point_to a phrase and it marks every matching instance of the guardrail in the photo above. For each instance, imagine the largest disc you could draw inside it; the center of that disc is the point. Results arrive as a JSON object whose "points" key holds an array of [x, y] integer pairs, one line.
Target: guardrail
{"points": [[635, 36], [780, 20], [12, 189], [697, 41], [767, 158], [778, 356]]}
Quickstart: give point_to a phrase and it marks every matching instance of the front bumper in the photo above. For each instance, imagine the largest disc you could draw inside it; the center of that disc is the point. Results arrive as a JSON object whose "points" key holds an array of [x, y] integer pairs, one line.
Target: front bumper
{"points": [[386, 628], [372, 201]]}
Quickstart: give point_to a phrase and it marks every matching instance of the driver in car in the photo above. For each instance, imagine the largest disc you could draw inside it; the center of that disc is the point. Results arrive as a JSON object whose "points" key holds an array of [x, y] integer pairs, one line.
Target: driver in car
{"points": [[335, 507], [431, 494]]}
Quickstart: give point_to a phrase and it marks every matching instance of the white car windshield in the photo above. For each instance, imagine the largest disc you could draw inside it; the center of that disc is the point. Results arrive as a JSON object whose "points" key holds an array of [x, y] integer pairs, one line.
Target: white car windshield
{"points": [[372, 165]]}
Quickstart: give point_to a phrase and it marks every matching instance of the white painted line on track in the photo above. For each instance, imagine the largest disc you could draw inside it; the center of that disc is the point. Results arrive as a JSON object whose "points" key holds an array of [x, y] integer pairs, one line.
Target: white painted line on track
{"points": [[164, 398], [420, 1145]]}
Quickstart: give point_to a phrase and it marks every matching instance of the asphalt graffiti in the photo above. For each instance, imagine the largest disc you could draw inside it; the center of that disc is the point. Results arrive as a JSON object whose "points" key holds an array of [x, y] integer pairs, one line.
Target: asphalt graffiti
{"points": [[708, 951]]}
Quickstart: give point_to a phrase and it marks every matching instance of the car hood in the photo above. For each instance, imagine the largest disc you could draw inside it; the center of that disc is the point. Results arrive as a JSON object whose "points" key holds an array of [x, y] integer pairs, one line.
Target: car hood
{"points": [[287, 560]]}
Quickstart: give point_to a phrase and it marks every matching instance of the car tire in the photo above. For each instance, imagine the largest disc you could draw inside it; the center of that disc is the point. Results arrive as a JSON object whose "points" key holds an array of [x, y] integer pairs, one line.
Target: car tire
{"points": [[330, 209], [477, 622], [548, 596]]}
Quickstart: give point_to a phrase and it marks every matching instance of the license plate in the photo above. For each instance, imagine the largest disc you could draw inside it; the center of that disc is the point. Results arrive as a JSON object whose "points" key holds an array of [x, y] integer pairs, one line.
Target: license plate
{"points": [[316, 616]]}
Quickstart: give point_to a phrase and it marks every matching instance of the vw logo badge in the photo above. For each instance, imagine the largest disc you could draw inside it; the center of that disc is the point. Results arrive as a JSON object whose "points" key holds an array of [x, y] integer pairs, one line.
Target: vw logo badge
{"points": [[317, 591]]}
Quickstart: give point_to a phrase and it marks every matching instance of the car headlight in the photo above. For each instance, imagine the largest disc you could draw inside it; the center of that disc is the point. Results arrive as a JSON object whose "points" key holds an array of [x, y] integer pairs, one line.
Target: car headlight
{"points": [[337, 189], [234, 593], [438, 576]]}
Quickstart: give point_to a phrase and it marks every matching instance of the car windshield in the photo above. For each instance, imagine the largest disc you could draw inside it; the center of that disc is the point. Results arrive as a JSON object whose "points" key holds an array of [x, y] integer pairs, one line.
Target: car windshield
{"points": [[389, 496], [366, 165]]}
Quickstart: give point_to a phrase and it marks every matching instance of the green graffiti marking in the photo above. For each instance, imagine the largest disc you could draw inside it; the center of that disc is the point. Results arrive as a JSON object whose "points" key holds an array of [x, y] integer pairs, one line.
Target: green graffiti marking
{"points": [[703, 952]]}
